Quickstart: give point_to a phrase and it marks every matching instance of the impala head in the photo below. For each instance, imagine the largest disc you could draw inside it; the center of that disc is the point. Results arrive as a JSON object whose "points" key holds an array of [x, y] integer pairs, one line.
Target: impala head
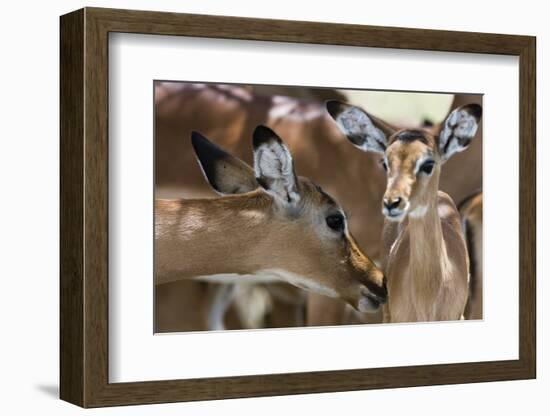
{"points": [[301, 232], [412, 158]]}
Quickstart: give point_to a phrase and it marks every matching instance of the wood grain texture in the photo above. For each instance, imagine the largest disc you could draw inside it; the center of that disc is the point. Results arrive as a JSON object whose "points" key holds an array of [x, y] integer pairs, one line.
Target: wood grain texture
{"points": [[71, 212], [528, 209], [84, 207], [96, 218]]}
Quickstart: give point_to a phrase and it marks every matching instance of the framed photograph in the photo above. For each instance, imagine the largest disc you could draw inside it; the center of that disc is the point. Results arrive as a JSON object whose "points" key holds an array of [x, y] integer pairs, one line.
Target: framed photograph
{"points": [[256, 207]]}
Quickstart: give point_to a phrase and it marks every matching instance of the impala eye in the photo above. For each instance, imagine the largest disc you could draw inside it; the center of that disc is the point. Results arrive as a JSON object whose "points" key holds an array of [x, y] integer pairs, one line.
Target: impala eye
{"points": [[427, 167], [336, 222], [384, 165]]}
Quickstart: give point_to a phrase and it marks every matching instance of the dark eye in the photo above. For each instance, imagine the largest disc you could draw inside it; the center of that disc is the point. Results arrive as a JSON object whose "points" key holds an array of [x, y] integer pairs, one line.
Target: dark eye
{"points": [[335, 222], [384, 166], [427, 167]]}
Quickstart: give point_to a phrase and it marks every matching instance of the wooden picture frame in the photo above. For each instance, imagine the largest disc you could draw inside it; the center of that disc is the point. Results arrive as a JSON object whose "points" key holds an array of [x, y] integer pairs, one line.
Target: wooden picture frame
{"points": [[84, 207]]}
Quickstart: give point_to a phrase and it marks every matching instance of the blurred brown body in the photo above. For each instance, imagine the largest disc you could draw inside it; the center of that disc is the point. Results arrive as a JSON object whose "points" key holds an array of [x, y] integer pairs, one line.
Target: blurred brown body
{"points": [[471, 210]]}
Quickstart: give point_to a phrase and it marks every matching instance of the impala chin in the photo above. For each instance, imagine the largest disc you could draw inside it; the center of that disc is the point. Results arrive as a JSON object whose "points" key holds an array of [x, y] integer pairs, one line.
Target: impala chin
{"points": [[369, 302], [396, 217]]}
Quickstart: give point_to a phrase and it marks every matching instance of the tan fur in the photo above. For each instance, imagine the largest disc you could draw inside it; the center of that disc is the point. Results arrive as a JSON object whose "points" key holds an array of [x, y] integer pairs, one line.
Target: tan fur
{"points": [[424, 252], [246, 234], [319, 151], [425, 258]]}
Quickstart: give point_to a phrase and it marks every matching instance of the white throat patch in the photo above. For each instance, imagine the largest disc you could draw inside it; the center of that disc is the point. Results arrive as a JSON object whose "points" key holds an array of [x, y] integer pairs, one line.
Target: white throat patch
{"points": [[419, 211]]}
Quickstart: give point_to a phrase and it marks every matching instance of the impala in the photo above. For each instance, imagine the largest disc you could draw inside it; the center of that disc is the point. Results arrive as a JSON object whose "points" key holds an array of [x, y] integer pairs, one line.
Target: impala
{"points": [[424, 253], [228, 115], [267, 225]]}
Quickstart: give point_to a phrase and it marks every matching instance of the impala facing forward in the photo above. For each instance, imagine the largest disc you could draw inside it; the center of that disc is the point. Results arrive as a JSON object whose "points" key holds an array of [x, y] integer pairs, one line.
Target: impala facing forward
{"points": [[424, 251]]}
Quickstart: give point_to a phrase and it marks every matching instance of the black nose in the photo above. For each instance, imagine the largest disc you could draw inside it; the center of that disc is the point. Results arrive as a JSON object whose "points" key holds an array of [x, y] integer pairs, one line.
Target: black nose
{"points": [[391, 204], [379, 291]]}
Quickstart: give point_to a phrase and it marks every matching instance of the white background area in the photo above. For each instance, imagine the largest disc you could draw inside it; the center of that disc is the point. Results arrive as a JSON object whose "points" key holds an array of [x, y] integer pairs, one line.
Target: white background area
{"points": [[136, 355], [29, 167]]}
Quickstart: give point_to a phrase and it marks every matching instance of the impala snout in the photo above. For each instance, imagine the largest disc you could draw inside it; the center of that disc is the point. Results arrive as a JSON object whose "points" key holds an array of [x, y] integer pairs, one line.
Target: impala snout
{"points": [[391, 203], [394, 207], [373, 293], [379, 288], [371, 298], [369, 290]]}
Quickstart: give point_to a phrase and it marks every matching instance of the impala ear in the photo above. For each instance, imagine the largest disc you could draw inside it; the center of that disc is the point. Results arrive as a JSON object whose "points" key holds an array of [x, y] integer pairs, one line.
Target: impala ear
{"points": [[274, 167], [365, 131], [225, 173], [458, 129]]}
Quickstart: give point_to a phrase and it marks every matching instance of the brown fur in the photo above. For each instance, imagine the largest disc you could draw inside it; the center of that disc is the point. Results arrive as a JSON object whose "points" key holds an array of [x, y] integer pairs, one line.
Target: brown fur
{"points": [[425, 257], [427, 268], [471, 211], [246, 233], [319, 151], [419, 285]]}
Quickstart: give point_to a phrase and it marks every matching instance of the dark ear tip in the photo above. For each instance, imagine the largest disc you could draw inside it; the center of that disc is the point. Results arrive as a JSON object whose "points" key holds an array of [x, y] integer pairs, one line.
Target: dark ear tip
{"points": [[334, 107], [196, 137], [203, 146], [475, 110], [262, 135]]}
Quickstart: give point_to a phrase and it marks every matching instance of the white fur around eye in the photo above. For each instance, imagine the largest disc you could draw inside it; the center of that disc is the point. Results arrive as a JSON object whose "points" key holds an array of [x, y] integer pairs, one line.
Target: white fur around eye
{"points": [[386, 164], [420, 162]]}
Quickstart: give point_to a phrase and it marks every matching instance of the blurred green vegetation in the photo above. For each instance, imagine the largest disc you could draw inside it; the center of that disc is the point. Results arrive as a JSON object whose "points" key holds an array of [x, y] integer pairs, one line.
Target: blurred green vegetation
{"points": [[402, 108]]}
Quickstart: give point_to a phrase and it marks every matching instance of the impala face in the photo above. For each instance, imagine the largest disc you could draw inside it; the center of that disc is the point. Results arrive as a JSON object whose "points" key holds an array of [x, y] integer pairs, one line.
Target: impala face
{"points": [[299, 233], [412, 158], [331, 262], [412, 164]]}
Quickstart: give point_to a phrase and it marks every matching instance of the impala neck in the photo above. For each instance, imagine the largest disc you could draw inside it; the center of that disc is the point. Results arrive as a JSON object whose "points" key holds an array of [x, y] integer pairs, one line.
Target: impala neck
{"points": [[191, 236], [428, 254]]}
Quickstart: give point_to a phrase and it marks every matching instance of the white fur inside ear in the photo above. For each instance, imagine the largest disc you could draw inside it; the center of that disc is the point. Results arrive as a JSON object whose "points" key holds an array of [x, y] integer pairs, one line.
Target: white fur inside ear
{"points": [[360, 129], [273, 163], [460, 127]]}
